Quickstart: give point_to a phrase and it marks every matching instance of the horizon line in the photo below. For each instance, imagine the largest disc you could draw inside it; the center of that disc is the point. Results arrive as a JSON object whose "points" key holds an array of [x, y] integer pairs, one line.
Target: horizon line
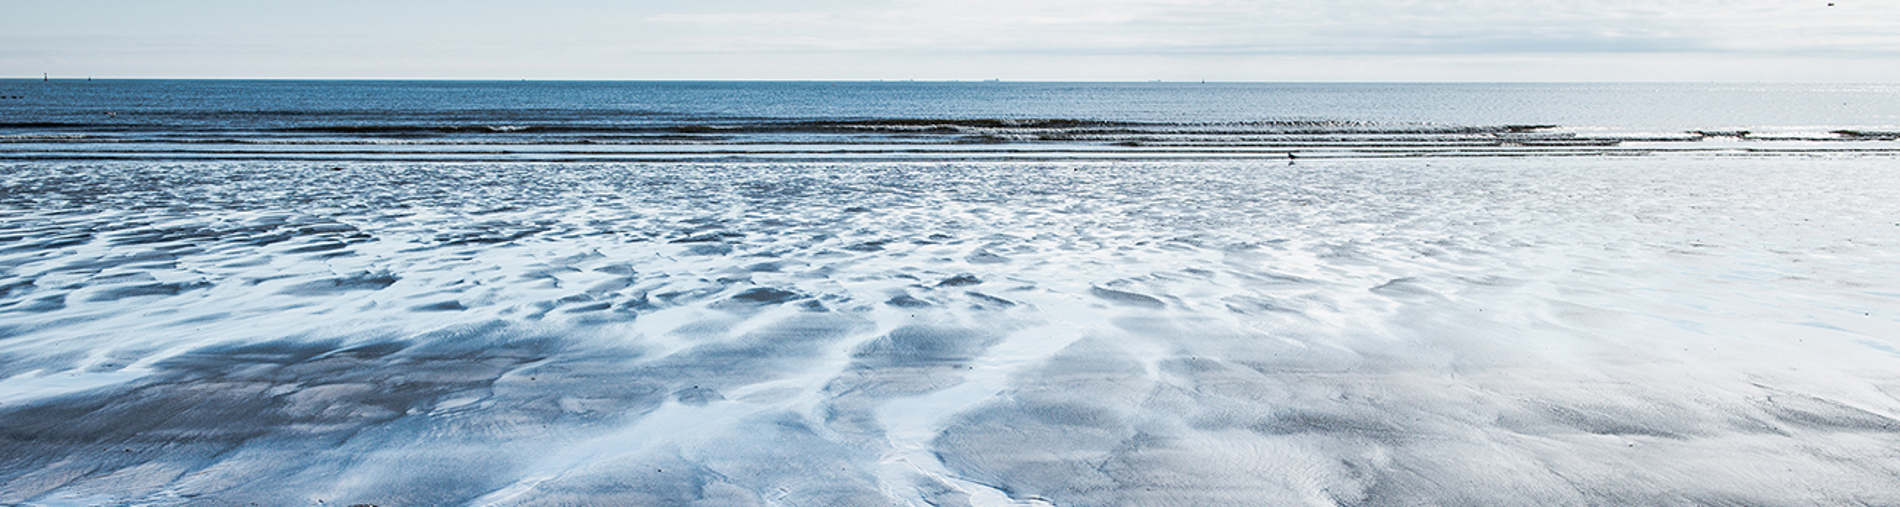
{"points": [[48, 78]]}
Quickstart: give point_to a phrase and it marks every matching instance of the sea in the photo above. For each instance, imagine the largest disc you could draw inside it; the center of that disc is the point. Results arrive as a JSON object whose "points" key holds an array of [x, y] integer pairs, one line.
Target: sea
{"points": [[409, 293], [873, 121]]}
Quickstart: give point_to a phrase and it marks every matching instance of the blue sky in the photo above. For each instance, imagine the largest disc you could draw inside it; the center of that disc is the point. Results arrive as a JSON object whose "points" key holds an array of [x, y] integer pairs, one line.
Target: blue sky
{"points": [[1228, 40]]}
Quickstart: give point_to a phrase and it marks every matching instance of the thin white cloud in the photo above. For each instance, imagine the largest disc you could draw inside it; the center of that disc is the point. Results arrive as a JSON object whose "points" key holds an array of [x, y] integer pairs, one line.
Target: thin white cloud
{"points": [[1035, 39], [1298, 26]]}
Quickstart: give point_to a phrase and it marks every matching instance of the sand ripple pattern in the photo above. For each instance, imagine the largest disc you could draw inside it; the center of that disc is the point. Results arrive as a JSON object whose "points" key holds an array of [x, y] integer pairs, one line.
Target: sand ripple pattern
{"points": [[1658, 331]]}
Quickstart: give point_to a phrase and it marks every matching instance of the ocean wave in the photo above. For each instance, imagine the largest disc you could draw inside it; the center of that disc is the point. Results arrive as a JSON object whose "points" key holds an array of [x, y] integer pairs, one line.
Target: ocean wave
{"points": [[1867, 135], [684, 137]]}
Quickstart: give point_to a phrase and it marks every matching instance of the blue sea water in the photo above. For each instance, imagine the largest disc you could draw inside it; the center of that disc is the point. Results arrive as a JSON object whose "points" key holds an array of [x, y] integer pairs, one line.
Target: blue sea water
{"points": [[947, 294], [774, 120]]}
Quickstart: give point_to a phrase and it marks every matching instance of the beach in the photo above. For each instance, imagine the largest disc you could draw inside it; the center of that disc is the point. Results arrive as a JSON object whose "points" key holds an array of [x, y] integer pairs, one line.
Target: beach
{"points": [[1711, 325], [1545, 331]]}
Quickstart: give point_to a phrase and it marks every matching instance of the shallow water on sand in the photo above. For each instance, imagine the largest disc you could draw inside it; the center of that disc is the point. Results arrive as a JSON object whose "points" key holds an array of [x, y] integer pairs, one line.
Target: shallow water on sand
{"points": [[1544, 331]]}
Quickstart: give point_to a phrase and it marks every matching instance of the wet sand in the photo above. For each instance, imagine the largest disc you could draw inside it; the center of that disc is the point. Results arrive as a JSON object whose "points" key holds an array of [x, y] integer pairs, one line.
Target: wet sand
{"points": [[1678, 330]]}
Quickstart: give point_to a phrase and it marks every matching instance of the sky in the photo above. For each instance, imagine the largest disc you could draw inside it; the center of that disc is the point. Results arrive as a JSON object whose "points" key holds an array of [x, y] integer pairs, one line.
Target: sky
{"points": [[1028, 40]]}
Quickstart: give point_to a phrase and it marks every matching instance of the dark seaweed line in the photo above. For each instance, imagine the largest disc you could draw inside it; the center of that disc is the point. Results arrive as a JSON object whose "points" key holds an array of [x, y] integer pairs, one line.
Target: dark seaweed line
{"points": [[1151, 139], [1117, 148], [958, 155], [730, 125]]}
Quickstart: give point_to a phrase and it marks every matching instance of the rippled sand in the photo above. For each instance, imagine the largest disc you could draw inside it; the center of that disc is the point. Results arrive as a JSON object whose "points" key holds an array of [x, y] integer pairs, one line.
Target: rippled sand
{"points": [[1541, 331]]}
